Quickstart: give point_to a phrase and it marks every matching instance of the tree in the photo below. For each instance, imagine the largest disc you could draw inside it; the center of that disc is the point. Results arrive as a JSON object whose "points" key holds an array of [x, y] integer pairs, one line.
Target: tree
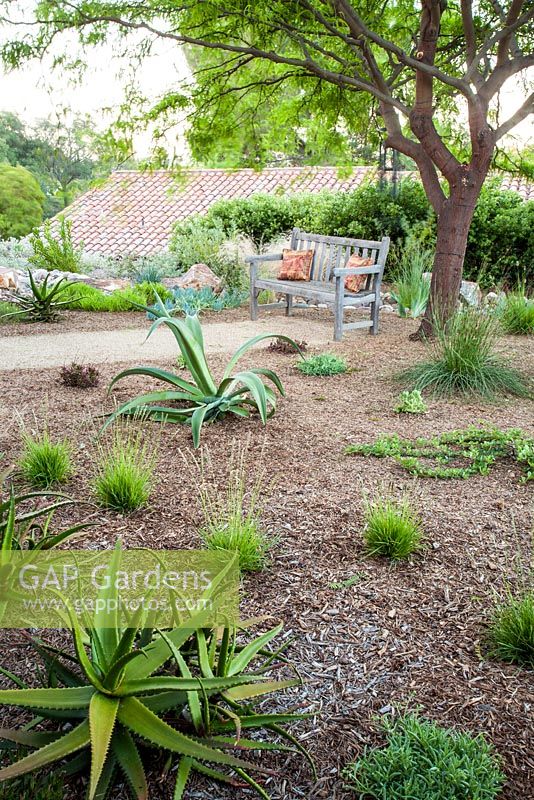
{"points": [[419, 64], [21, 202]]}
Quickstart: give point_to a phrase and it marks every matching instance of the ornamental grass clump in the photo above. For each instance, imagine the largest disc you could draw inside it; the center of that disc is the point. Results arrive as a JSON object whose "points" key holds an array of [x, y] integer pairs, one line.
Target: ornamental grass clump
{"points": [[203, 398], [516, 313], [127, 693], [462, 360], [232, 515], [411, 288], [322, 365], [125, 471], [423, 761], [392, 527], [44, 462], [511, 631]]}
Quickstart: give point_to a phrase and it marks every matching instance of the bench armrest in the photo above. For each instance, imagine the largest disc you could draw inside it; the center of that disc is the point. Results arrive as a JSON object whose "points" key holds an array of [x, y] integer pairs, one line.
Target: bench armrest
{"points": [[341, 272], [265, 257]]}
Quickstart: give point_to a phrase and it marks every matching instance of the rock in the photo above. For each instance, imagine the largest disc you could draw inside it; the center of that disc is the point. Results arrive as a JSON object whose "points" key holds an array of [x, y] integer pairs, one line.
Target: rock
{"points": [[387, 308], [494, 298], [8, 278], [197, 277], [470, 293]]}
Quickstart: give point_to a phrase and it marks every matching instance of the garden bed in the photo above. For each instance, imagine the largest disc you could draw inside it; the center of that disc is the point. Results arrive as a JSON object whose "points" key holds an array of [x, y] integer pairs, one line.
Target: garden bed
{"points": [[403, 636]]}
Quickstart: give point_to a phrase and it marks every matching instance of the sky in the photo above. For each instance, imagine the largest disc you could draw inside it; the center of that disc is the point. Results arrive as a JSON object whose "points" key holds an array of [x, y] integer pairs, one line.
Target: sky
{"points": [[36, 92]]}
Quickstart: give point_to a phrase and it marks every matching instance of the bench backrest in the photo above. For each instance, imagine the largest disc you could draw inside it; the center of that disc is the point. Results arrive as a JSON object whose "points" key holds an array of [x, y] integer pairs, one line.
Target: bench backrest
{"points": [[332, 252]]}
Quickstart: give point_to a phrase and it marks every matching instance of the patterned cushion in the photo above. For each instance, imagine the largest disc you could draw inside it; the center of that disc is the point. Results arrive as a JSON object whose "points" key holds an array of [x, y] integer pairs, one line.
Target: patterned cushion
{"points": [[355, 283], [296, 265]]}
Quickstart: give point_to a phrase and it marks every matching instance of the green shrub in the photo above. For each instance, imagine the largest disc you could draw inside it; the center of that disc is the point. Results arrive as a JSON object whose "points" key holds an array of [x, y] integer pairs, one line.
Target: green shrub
{"points": [[88, 298], [392, 528], [516, 313], [322, 365], [423, 761], [204, 240], [511, 631], [471, 452], [125, 471], [8, 313], [21, 202], [410, 289], [54, 248], [411, 403], [44, 462], [463, 360], [232, 517]]}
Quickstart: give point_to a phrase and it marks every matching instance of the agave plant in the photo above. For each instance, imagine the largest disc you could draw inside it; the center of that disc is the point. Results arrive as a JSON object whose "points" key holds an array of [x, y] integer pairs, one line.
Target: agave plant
{"points": [[122, 694], [43, 303], [202, 399]]}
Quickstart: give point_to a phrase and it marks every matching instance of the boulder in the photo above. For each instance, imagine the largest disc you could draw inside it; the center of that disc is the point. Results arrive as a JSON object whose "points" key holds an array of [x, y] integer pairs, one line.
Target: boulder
{"points": [[106, 285], [493, 299], [470, 293], [8, 278], [197, 277]]}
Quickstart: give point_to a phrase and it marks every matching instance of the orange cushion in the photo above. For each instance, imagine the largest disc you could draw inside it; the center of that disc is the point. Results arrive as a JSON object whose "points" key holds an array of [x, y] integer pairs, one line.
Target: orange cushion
{"points": [[296, 265], [354, 283]]}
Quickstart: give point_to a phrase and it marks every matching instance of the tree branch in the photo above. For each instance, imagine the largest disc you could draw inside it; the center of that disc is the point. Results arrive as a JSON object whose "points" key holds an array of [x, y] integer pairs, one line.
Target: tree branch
{"points": [[522, 113]]}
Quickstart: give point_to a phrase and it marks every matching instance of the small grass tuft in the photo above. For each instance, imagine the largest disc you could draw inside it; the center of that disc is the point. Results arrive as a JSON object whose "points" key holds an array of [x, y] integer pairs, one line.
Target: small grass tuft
{"points": [[511, 631], [125, 471], [80, 376], [463, 360], [411, 403], [44, 462], [232, 517], [423, 761], [392, 528], [322, 365]]}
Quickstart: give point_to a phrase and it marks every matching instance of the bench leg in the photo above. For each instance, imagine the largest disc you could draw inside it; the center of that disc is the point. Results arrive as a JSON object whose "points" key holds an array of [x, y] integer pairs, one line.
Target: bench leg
{"points": [[338, 313], [375, 309], [254, 306], [289, 304]]}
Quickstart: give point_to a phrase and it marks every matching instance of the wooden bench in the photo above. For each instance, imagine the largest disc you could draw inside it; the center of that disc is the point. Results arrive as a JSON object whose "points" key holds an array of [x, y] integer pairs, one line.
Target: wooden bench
{"points": [[327, 278]]}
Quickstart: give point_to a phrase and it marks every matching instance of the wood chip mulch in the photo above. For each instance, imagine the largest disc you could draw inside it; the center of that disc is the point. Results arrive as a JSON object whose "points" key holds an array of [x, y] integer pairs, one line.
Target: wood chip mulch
{"points": [[407, 636]]}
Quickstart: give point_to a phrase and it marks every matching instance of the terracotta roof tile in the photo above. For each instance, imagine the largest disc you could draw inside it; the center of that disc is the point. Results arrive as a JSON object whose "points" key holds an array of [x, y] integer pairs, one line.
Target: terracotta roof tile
{"points": [[134, 212]]}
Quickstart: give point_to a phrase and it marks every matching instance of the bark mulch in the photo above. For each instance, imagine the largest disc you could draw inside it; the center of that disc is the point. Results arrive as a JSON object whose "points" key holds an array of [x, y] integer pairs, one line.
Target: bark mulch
{"points": [[402, 636]]}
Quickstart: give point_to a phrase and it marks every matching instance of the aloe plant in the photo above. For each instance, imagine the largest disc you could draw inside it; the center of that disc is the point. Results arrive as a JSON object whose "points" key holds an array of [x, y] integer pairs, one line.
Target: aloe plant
{"points": [[202, 399], [122, 685], [43, 303]]}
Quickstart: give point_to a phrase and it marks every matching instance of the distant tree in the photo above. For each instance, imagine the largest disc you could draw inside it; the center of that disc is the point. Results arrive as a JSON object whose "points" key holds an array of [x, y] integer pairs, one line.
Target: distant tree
{"points": [[21, 202]]}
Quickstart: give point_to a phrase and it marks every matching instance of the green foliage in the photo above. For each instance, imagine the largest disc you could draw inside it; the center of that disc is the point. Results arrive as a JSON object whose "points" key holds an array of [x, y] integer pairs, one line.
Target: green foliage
{"points": [[80, 376], [125, 471], [107, 701], [462, 360], [201, 399], [470, 452], [88, 298], [411, 403], [423, 761], [511, 631], [410, 289], [50, 786], [44, 302], [204, 240], [21, 202], [27, 524], [44, 462], [232, 516], [193, 301], [322, 365], [392, 528], [500, 246], [53, 248], [7, 310], [516, 313]]}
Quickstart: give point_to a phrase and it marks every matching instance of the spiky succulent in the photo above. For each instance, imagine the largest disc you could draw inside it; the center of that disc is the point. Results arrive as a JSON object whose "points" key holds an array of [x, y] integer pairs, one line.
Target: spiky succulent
{"points": [[44, 301], [187, 691], [202, 399]]}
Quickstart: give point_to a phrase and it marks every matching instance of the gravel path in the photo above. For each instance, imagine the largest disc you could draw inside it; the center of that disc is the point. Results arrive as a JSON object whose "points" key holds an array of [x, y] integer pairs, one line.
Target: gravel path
{"points": [[55, 349]]}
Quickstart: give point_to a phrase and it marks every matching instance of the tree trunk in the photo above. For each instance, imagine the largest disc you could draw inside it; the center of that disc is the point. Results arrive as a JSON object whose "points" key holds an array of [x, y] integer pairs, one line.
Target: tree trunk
{"points": [[453, 226]]}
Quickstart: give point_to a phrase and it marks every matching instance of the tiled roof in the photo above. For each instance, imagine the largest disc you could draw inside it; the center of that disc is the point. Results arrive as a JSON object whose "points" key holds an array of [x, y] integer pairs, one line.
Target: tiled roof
{"points": [[134, 212]]}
